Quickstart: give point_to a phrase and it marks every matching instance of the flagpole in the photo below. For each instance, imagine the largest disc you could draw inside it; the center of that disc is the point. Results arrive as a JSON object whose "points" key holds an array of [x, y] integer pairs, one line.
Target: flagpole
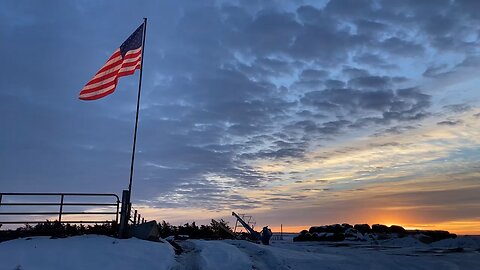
{"points": [[138, 107]]}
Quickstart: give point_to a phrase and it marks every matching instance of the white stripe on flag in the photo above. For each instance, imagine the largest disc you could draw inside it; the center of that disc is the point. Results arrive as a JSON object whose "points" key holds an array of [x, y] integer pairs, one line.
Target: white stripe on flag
{"points": [[100, 83], [86, 95]]}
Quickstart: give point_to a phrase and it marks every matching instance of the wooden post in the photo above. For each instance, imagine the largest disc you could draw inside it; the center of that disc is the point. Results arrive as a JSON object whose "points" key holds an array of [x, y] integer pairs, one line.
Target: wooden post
{"points": [[135, 217]]}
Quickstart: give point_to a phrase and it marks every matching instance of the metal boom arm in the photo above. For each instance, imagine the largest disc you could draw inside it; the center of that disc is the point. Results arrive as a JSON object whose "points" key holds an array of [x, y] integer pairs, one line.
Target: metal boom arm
{"points": [[246, 226]]}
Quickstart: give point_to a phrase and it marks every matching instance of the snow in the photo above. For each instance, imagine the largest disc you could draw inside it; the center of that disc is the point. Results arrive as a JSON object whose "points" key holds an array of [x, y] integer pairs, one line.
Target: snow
{"points": [[221, 255], [459, 242], [408, 241], [84, 253], [100, 252]]}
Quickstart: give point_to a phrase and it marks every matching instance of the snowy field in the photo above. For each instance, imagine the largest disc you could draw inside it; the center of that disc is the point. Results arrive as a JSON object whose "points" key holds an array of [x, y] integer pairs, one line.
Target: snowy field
{"points": [[100, 252]]}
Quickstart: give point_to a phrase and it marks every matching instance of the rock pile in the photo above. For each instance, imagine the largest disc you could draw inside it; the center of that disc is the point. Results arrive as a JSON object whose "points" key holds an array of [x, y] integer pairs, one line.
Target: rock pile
{"points": [[363, 232]]}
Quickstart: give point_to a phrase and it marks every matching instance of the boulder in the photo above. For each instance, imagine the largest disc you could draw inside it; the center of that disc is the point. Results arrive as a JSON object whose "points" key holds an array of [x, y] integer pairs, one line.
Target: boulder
{"points": [[362, 228], [397, 229], [303, 236], [335, 237], [323, 236], [353, 235], [334, 228], [380, 228], [439, 235], [317, 229], [145, 231]]}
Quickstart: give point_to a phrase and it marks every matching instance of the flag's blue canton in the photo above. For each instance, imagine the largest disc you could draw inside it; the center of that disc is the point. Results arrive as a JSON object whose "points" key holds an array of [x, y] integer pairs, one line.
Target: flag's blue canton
{"points": [[134, 41]]}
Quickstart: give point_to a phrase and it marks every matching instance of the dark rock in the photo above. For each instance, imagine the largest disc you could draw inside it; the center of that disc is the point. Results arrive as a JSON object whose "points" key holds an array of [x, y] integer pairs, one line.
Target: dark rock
{"points": [[379, 228], [322, 236], [354, 235], [335, 237], [363, 228], [335, 228], [438, 235], [317, 229], [351, 232], [303, 236], [397, 229], [146, 231]]}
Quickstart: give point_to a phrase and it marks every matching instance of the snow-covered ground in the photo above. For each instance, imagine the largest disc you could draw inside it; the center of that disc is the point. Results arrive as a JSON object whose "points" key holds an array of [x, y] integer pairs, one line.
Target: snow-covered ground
{"points": [[99, 252], [84, 253]]}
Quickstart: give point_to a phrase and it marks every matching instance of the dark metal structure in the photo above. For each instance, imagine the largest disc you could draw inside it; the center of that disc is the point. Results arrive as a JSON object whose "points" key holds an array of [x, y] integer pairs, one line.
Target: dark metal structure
{"points": [[264, 236], [253, 234], [63, 201], [247, 219]]}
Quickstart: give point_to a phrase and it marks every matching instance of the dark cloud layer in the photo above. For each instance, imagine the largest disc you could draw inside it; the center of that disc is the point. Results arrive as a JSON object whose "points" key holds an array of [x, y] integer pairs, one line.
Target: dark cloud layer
{"points": [[224, 85]]}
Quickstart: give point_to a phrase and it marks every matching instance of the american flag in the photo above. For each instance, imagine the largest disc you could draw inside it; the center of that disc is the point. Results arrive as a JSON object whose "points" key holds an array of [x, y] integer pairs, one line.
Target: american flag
{"points": [[124, 61]]}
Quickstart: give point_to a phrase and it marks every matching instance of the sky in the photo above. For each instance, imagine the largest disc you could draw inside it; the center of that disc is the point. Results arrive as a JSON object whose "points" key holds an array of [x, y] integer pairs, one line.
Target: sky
{"points": [[299, 113]]}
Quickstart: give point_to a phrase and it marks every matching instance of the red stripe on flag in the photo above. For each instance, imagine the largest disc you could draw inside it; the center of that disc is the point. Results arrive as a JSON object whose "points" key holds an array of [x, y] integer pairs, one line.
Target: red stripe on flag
{"points": [[129, 72], [113, 71], [98, 88], [98, 96]]}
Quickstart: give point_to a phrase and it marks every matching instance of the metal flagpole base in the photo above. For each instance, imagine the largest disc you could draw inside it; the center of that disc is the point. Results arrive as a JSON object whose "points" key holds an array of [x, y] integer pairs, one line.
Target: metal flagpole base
{"points": [[124, 215]]}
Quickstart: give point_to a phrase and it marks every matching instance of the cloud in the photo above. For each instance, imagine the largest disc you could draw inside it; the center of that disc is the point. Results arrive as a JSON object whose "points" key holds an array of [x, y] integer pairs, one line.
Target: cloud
{"points": [[401, 105], [373, 60], [450, 122], [370, 82], [458, 108], [436, 71]]}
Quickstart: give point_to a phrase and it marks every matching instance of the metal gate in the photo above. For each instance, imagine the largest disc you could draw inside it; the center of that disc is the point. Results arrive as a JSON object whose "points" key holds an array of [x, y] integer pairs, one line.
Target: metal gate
{"points": [[12, 204]]}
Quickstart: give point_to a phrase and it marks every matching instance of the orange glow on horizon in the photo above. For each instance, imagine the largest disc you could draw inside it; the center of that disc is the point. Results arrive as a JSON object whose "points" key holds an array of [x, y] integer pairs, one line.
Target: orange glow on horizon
{"points": [[407, 219], [459, 228]]}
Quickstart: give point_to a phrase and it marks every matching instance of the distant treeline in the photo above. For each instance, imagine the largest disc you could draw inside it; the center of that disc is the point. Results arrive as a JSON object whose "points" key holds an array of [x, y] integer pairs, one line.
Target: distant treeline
{"points": [[192, 230], [57, 229]]}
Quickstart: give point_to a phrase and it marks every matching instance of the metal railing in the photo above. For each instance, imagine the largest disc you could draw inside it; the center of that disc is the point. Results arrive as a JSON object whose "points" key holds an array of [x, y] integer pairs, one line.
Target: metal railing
{"points": [[61, 204]]}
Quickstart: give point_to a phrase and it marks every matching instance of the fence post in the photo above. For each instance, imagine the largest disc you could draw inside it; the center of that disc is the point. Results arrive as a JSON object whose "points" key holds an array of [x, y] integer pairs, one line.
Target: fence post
{"points": [[61, 209], [135, 217], [124, 215]]}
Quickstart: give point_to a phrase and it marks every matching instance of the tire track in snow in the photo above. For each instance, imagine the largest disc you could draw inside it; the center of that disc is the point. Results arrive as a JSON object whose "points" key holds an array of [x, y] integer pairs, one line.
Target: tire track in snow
{"points": [[189, 258], [261, 256]]}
